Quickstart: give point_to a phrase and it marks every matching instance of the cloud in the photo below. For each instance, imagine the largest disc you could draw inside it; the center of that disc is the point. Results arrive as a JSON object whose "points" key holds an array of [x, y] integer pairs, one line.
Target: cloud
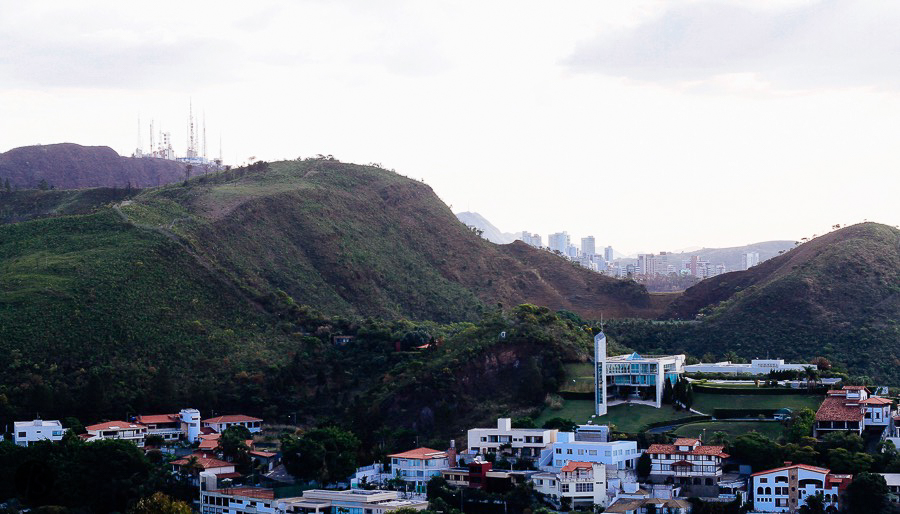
{"points": [[826, 44]]}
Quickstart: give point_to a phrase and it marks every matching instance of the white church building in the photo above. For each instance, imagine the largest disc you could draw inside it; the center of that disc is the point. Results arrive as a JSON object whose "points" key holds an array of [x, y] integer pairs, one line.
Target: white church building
{"points": [[631, 378]]}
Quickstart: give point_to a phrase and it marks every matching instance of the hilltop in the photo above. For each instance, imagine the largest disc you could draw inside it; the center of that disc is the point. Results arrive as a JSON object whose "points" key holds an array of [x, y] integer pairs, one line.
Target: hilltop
{"points": [[837, 296], [72, 166], [731, 256]]}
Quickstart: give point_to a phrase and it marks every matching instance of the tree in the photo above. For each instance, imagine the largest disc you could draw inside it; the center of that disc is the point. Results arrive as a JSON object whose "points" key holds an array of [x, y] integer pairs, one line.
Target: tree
{"points": [[43, 185], [800, 425], [524, 422], [668, 393], [562, 424], [815, 504], [842, 461], [757, 450], [719, 437], [6, 185], [867, 494], [159, 503], [822, 363], [233, 443], [324, 454], [644, 465]]}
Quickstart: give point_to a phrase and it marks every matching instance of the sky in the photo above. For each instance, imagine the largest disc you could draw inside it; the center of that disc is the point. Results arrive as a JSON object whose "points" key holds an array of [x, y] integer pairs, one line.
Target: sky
{"points": [[652, 126]]}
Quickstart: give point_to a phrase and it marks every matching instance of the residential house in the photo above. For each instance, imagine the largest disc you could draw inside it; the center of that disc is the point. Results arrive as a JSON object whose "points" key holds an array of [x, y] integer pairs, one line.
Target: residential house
{"points": [[521, 442], [133, 432], [852, 409], [649, 506], [167, 426], [785, 489], [480, 475], [687, 462], [221, 423], [26, 433], [196, 463], [417, 467], [583, 484], [584, 445]]}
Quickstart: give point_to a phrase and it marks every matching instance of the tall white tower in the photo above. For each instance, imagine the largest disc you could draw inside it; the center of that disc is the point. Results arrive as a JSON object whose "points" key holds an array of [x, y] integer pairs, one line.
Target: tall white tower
{"points": [[600, 373]]}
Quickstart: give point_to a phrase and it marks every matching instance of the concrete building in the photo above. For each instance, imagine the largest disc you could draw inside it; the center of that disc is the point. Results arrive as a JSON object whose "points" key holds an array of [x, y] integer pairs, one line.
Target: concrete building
{"points": [[558, 242], [480, 475], [687, 462], [258, 500], [584, 445], [749, 259], [588, 246], [756, 367], [117, 430], [532, 239], [221, 423], [633, 377], [194, 465], [583, 483], [609, 254], [522, 442], [26, 433], [417, 467], [785, 489]]}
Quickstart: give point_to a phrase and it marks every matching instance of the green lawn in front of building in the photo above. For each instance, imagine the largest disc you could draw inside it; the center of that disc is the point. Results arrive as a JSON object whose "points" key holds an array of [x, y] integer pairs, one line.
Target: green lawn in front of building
{"points": [[706, 403], [626, 418], [771, 429]]}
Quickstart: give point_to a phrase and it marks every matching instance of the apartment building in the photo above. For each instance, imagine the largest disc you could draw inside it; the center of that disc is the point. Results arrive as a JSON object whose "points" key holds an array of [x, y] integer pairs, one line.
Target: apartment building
{"points": [[417, 467], [687, 462], [117, 430], [26, 433], [633, 377], [583, 483], [785, 489], [480, 475], [521, 442]]}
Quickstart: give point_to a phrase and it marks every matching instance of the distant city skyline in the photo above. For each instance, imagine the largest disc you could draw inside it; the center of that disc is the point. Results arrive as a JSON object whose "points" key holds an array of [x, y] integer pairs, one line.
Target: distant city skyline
{"points": [[648, 125]]}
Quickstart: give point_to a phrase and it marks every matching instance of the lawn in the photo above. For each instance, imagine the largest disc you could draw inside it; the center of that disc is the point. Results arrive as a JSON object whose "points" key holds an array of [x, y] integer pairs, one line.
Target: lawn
{"points": [[580, 377], [771, 429], [706, 403], [626, 418]]}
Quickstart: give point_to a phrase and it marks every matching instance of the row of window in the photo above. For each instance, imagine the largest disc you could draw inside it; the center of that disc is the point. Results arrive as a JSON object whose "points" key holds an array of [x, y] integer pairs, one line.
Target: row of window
{"points": [[580, 487], [529, 439]]}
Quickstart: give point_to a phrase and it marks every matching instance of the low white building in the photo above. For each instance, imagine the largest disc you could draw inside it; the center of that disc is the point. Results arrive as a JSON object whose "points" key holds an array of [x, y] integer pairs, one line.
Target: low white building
{"points": [[583, 483], [578, 446], [417, 467], [26, 433], [117, 430], [756, 367], [221, 423], [522, 442], [785, 489]]}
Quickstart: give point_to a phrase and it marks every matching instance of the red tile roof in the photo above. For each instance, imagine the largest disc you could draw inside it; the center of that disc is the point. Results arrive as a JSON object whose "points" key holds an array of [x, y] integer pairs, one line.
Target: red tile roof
{"points": [[113, 425], [233, 474], [209, 444], [671, 449], [572, 465], [204, 462], [158, 418], [876, 400], [833, 408], [685, 441], [265, 455], [231, 418], [421, 454], [855, 388], [799, 466]]}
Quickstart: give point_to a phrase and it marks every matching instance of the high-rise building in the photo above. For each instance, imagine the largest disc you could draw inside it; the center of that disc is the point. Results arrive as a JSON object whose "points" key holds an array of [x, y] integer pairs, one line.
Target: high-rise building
{"points": [[558, 242], [588, 246], [646, 264], [608, 254], [749, 259], [532, 239]]}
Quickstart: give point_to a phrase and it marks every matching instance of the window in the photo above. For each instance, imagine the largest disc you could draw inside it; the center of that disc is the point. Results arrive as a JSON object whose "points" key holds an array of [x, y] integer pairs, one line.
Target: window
{"points": [[21, 434], [569, 451], [592, 452], [564, 488], [559, 450], [580, 452], [584, 487], [759, 490]]}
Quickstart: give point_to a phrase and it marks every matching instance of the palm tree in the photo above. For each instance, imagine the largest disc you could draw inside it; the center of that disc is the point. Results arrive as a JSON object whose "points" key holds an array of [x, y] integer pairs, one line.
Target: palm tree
{"points": [[719, 437]]}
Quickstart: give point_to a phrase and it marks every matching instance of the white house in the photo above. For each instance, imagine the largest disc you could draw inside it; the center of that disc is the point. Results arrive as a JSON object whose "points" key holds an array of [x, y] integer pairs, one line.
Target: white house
{"points": [[853, 409], [785, 489], [117, 430], [756, 367], [523, 442], [583, 483], [633, 377], [418, 466], [221, 423], [571, 446], [26, 433], [687, 462]]}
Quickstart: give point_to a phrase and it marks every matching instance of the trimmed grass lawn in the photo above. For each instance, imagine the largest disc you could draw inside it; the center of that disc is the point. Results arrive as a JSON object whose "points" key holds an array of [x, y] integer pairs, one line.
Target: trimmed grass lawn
{"points": [[579, 377], [706, 403], [771, 429], [626, 418]]}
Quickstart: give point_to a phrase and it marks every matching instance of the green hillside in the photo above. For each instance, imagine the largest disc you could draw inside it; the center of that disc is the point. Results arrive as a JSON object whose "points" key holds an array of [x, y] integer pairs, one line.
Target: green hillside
{"points": [[836, 296], [199, 293]]}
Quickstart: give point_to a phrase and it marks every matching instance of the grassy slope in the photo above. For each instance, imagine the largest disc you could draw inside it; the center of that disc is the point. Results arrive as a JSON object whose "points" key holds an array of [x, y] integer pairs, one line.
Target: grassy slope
{"points": [[771, 429]]}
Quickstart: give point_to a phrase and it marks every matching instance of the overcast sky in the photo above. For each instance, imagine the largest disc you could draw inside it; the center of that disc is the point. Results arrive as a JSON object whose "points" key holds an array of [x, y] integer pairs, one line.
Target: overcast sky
{"points": [[650, 125]]}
